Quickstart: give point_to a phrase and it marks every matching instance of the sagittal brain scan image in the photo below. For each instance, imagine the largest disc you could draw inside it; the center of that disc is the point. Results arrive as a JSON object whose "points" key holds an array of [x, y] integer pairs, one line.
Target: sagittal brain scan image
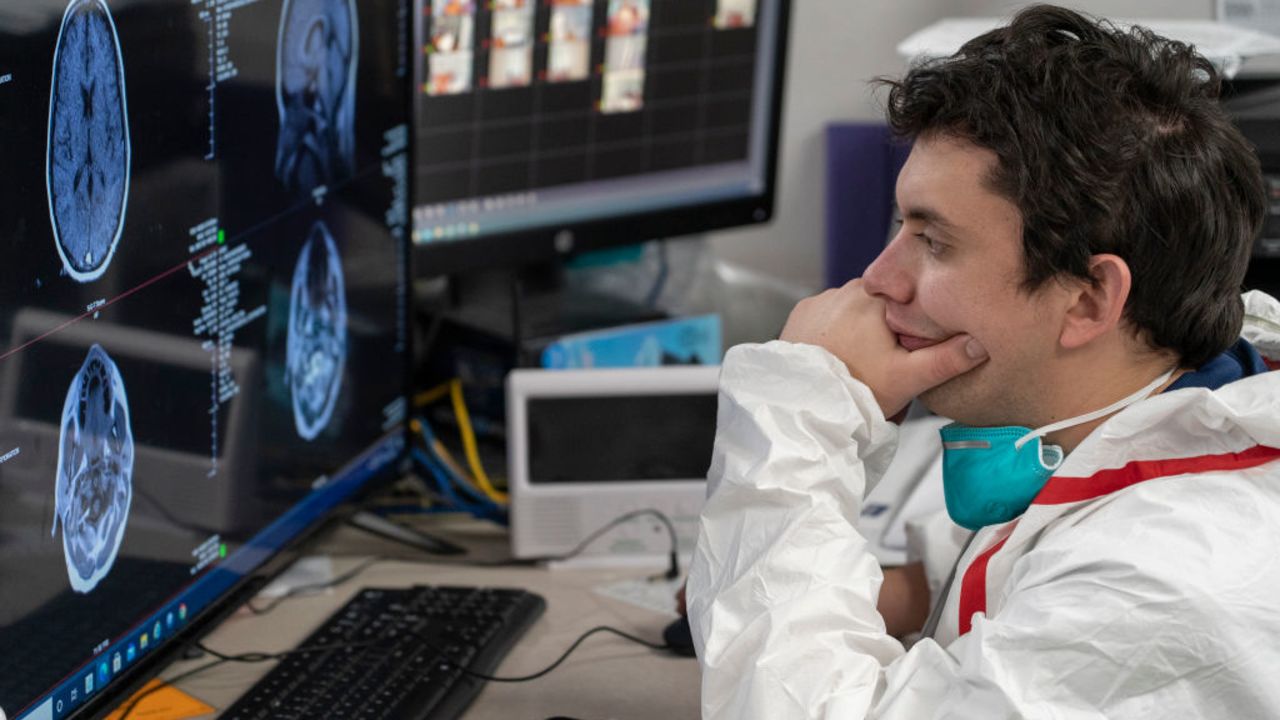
{"points": [[317, 340], [316, 59], [87, 174], [95, 471]]}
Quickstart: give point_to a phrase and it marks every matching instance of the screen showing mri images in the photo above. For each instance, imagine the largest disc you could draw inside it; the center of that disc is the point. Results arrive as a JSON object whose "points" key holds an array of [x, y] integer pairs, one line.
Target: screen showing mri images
{"points": [[299, 131], [204, 220], [95, 470], [88, 145], [317, 56], [317, 344]]}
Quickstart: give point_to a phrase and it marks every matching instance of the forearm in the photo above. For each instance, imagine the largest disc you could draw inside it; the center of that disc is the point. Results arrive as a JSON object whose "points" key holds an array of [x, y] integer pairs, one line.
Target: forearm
{"points": [[783, 590]]}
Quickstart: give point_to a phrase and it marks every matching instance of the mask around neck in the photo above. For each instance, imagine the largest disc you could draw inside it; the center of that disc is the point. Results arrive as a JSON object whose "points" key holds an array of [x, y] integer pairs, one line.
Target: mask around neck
{"points": [[990, 475]]}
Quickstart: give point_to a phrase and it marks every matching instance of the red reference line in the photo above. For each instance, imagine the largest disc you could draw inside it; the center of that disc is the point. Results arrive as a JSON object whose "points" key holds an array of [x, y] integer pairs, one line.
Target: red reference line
{"points": [[107, 303]]}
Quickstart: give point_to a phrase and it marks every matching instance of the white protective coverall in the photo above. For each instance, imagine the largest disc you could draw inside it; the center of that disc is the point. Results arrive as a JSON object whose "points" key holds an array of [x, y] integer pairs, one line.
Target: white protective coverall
{"points": [[1143, 582]]}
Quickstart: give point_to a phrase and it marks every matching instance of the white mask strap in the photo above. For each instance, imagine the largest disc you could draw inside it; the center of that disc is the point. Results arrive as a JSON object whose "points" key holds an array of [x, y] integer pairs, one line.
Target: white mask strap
{"points": [[1082, 419]]}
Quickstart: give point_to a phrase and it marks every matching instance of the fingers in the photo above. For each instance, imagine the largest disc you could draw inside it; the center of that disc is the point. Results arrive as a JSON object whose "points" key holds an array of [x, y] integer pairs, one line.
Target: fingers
{"points": [[929, 367]]}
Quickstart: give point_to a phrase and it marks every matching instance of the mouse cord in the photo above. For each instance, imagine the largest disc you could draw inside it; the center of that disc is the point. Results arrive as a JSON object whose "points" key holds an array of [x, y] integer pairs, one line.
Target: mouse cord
{"points": [[534, 676], [673, 564]]}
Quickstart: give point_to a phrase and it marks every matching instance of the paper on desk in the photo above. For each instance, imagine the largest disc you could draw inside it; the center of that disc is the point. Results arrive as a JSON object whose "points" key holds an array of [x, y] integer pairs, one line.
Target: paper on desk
{"points": [[1226, 46], [656, 595], [167, 703], [310, 570]]}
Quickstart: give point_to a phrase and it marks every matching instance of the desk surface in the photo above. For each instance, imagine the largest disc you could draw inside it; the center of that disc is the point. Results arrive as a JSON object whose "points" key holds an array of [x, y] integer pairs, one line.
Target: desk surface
{"points": [[607, 677]]}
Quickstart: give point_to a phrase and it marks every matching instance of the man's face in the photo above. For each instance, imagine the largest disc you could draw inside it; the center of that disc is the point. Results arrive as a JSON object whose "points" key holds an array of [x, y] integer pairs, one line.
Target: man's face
{"points": [[956, 266]]}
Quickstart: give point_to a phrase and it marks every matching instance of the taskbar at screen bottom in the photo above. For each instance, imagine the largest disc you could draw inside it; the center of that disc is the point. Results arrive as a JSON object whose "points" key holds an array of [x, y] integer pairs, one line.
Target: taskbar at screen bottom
{"points": [[159, 627]]}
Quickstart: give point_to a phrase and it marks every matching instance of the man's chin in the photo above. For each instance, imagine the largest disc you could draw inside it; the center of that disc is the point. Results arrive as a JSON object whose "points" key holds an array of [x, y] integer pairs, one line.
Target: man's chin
{"points": [[959, 399]]}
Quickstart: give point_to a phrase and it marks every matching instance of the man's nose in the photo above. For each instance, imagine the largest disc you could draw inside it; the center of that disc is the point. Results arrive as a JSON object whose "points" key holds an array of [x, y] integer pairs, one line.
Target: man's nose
{"points": [[889, 277]]}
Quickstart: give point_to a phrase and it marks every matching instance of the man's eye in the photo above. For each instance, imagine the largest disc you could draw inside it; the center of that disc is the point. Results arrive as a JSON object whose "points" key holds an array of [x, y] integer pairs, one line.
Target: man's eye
{"points": [[934, 247]]}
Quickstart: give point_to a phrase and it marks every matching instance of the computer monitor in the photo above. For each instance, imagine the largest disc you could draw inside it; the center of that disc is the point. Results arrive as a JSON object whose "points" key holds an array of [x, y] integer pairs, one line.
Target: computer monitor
{"points": [[545, 127], [204, 224]]}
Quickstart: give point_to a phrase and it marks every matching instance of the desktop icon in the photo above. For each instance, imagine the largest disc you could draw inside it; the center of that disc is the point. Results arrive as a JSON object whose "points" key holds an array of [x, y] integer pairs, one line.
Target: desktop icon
{"points": [[168, 620], [155, 631], [182, 612], [116, 663], [104, 673], [75, 694], [142, 642], [132, 653], [59, 705], [88, 684]]}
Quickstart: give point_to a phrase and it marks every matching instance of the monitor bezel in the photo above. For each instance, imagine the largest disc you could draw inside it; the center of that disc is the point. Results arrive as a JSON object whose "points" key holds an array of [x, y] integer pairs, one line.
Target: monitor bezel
{"points": [[560, 240]]}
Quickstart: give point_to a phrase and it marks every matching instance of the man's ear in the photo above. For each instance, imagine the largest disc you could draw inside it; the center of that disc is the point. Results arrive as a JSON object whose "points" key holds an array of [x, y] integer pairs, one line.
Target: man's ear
{"points": [[1097, 306]]}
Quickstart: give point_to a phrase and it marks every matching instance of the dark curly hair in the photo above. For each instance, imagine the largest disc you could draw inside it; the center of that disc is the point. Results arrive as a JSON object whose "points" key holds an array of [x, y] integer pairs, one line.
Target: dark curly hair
{"points": [[1108, 141]]}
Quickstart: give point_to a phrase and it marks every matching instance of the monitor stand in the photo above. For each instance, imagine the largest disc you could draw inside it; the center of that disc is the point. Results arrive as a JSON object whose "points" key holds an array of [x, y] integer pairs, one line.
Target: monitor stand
{"points": [[374, 523], [533, 305]]}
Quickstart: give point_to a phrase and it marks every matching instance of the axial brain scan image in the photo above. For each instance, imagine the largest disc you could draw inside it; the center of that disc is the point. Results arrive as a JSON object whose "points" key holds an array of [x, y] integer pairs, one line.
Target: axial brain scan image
{"points": [[87, 174], [317, 339], [316, 60], [95, 471]]}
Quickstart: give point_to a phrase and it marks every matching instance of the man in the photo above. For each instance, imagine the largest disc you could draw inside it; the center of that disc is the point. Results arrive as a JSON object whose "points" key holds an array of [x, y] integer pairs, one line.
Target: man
{"points": [[1077, 218]]}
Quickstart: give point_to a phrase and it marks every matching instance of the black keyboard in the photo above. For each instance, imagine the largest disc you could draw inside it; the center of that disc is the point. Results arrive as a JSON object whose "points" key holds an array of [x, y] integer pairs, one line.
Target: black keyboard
{"points": [[398, 655]]}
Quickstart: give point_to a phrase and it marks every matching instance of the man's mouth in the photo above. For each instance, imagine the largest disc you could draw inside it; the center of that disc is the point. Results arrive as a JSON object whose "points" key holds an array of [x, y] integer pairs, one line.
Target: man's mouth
{"points": [[908, 341], [911, 343]]}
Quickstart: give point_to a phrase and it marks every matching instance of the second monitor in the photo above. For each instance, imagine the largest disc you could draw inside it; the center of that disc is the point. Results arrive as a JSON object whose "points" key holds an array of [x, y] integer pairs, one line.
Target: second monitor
{"points": [[545, 128]]}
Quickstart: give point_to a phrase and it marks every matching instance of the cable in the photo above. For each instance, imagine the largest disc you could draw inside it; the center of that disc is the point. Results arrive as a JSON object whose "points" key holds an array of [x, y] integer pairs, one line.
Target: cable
{"points": [[307, 589], [249, 657], [469, 445], [446, 458], [672, 573], [482, 508], [427, 397], [257, 657], [673, 570], [563, 656], [446, 462], [478, 477], [137, 698]]}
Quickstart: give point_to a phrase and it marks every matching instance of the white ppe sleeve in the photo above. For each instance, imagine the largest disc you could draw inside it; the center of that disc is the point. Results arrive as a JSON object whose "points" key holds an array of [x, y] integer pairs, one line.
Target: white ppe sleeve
{"points": [[782, 590], [1100, 619]]}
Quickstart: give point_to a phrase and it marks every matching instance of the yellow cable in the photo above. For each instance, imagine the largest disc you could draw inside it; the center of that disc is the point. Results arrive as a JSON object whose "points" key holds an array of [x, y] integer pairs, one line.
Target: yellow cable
{"points": [[469, 445], [426, 397]]}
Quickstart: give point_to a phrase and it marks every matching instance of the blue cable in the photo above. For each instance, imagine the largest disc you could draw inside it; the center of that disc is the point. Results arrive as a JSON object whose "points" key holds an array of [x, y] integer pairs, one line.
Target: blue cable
{"points": [[465, 486], [483, 511]]}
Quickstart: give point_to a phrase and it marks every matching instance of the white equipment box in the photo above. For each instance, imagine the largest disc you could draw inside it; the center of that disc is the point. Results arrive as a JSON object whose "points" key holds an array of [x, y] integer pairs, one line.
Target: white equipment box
{"points": [[587, 446]]}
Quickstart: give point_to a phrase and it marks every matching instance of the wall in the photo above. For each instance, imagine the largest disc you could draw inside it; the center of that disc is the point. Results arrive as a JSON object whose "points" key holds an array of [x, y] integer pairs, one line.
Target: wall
{"points": [[835, 47]]}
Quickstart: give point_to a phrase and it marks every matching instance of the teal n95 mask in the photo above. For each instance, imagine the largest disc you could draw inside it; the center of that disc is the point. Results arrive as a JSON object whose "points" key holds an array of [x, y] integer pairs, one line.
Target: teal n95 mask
{"points": [[990, 475]]}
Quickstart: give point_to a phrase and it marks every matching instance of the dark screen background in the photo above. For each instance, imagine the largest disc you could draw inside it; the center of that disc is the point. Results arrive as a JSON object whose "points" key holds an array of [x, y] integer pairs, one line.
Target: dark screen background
{"points": [[195, 474], [698, 93], [632, 437]]}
